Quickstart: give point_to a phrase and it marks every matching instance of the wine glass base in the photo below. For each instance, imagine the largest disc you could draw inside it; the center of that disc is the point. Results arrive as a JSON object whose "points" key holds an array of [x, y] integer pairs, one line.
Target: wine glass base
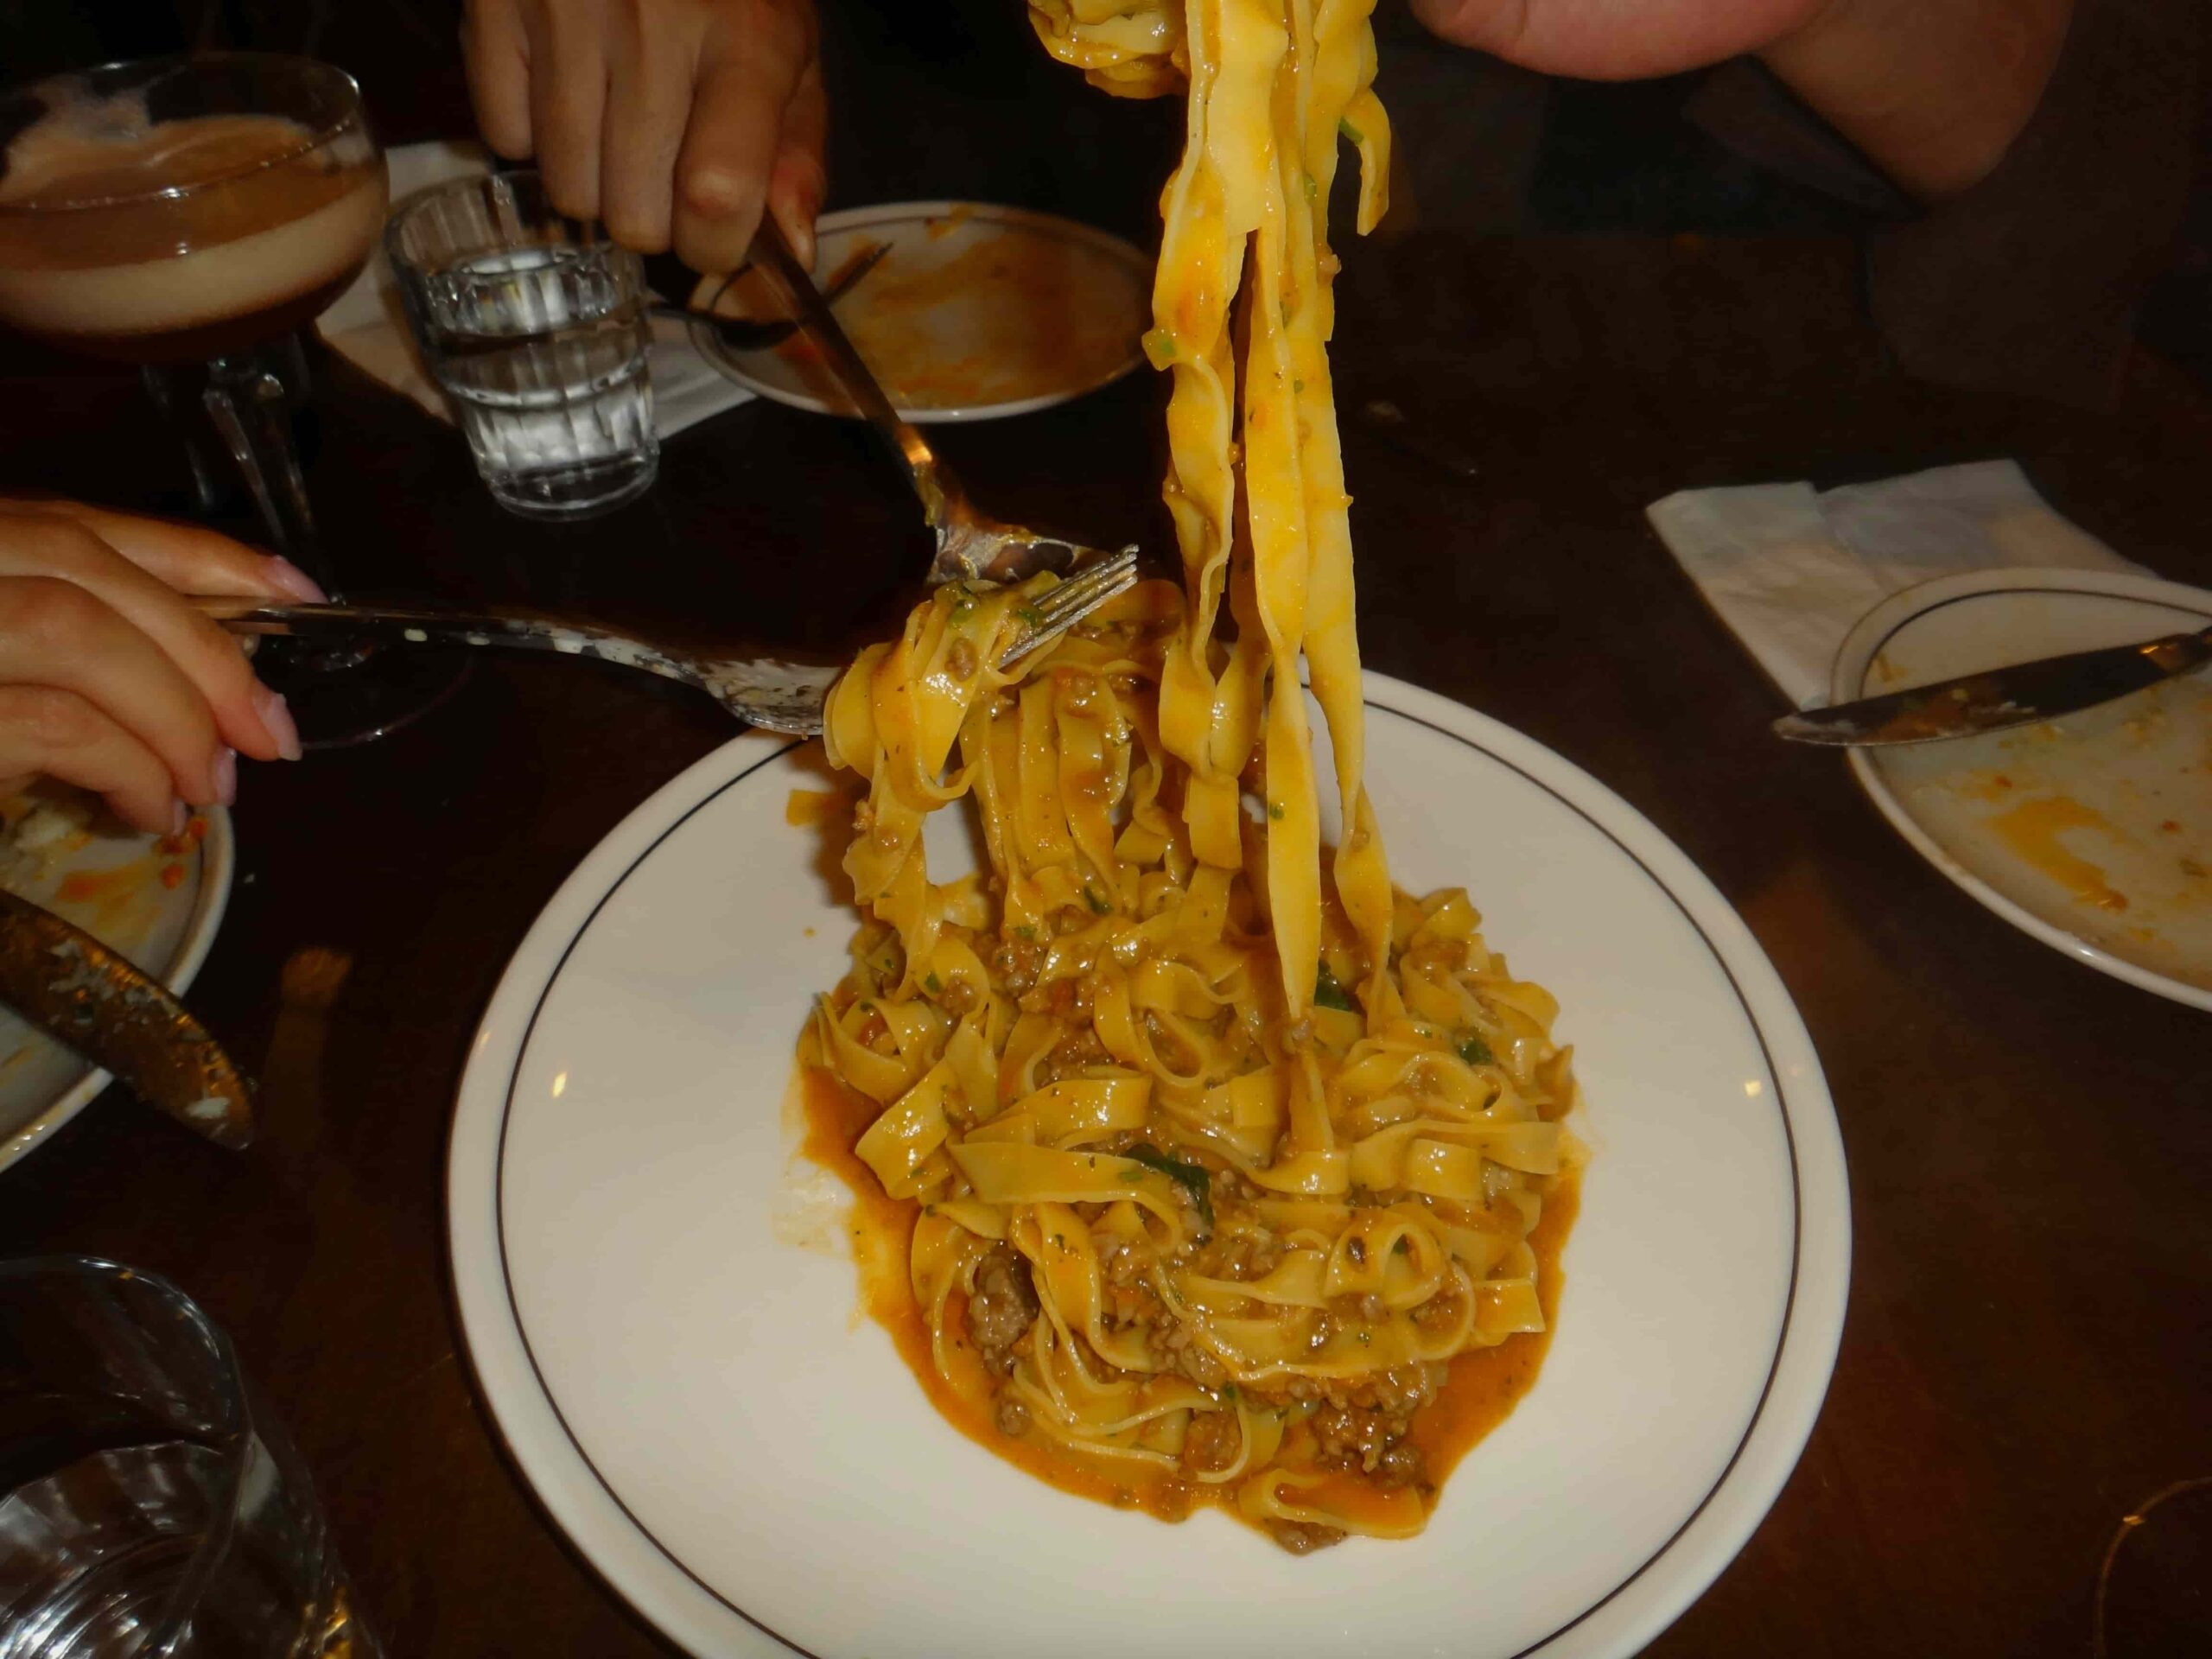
{"points": [[344, 695]]}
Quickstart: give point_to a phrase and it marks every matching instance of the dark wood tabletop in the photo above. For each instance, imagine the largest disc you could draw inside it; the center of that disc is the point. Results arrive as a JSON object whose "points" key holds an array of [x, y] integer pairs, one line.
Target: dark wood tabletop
{"points": [[2028, 1350]]}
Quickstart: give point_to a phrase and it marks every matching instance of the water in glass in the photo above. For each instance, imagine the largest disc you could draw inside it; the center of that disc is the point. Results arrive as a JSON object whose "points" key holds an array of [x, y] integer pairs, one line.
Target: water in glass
{"points": [[543, 351]]}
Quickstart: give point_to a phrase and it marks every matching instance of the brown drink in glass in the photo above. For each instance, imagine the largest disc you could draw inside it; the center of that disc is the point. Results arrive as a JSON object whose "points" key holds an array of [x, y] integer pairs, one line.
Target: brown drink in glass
{"points": [[191, 215]]}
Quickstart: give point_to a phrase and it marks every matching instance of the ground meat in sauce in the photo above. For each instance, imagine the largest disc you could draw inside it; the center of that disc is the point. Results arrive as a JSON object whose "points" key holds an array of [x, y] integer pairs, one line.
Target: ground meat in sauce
{"points": [[1368, 1442], [1009, 1415], [1016, 963], [1002, 1308], [1212, 1443], [1071, 1055], [1302, 1538]]}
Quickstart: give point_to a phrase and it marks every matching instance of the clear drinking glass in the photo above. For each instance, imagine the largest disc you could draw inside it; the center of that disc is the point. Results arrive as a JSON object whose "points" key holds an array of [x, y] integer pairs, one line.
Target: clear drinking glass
{"points": [[149, 1507], [536, 327]]}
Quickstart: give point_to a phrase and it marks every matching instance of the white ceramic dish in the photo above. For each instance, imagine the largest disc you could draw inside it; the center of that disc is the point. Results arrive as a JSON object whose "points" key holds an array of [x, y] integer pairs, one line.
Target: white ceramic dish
{"points": [[976, 312], [165, 930], [703, 1409], [2092, 833]]}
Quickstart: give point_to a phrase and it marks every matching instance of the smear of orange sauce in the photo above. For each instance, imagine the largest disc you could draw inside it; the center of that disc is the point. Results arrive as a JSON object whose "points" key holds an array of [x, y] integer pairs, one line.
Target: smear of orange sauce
{"points": [[1482, 1390], [86, 886], [953, 221], [805, 806], [2032, 829], [1032, 313]]}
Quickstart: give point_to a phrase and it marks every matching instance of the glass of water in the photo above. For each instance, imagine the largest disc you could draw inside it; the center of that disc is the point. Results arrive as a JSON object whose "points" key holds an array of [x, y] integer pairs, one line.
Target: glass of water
{"points": [[149, 1508], [536, 329]]}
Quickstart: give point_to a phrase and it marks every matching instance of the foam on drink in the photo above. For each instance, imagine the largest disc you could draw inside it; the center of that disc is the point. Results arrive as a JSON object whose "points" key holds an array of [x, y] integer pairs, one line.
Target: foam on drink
{"points": [[125, 236]]}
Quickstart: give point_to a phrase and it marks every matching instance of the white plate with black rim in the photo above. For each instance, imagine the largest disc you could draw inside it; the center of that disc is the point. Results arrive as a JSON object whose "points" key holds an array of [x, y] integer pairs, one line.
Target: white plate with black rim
{"points": [[2091, 832], [971, 312], [702, 1408], [118, 886]]}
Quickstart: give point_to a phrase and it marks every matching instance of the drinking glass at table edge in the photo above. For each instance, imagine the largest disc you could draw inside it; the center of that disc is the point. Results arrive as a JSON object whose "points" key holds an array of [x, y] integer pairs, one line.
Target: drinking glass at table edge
{"points": [[677, 122]]}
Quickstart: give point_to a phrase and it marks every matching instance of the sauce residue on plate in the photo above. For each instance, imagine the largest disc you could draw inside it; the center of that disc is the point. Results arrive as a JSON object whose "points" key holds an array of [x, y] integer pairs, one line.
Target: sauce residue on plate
{"points": [[1014, 315], [2098, 823], [1483, 1387], [2032, 829]]}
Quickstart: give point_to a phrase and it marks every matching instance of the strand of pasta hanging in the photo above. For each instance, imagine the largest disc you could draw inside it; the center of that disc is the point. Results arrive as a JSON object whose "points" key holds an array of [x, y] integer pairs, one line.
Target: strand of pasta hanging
{"points": [[1222, 1172]]}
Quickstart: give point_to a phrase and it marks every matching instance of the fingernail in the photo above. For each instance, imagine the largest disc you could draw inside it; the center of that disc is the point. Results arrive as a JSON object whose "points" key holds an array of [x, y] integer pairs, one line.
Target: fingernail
{"points": [[227, 776], [180, 814], [276, 715], [294, 581]]}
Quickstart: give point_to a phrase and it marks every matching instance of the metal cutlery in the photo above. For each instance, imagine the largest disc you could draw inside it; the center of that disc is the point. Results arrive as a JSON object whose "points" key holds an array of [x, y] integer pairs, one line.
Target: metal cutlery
{"points": [[970, 544], [778, 695], [757, 334], [100, 1006], [1992, 701]]}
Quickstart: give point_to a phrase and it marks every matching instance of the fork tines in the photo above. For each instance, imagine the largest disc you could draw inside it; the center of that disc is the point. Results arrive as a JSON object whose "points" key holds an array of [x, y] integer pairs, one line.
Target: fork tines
{"points": [[1060, 607]]}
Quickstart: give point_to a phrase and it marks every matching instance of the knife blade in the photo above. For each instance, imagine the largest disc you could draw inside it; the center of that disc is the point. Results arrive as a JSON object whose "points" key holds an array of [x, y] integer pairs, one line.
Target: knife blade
{"points": [[102, 1008], [2000, 697]]}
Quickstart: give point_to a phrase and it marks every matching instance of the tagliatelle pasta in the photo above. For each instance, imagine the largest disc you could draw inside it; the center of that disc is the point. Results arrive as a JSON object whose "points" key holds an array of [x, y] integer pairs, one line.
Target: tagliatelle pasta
{"points": [[1209, 1168]]}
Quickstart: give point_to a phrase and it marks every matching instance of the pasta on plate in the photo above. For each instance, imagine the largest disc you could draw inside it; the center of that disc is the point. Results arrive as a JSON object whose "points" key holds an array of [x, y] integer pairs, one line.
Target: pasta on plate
{"points": [[1200, 1164]]}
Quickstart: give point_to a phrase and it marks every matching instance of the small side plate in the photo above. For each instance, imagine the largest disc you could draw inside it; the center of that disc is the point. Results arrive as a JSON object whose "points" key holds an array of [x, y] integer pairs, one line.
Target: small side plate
{"points": [[975, 313], [110, 885], [2091, 832]]}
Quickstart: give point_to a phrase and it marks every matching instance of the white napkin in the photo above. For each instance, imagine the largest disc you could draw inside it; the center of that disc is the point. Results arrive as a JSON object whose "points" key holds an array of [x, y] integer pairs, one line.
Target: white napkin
{"points": [[1791, 569], [367, 327]]}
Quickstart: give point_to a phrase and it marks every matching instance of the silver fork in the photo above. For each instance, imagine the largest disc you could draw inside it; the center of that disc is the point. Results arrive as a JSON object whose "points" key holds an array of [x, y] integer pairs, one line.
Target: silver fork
{"points": [[971, 545], [763, 691]]}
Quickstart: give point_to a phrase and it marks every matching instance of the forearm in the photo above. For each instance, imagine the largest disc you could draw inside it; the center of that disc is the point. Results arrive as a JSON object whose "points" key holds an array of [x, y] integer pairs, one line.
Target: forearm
{"points": [[1932, 91]]}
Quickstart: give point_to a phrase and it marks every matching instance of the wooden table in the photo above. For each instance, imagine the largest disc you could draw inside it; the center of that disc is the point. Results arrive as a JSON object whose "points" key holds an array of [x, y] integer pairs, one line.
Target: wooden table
{"points": [[2028, 1350]]}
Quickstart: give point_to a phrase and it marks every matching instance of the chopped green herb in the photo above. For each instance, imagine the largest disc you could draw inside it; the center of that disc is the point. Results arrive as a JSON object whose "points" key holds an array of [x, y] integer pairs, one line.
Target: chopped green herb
{"points": [[1351, 131], [1029, 934], [1098, 906], [1160, 347], [1191, 1178], [1313, 190], [1328, 994], [1475, 1051], [932, 984], [1133, 1176], [1029, 614], [1364, 1338], [1402, 1246], [1275, 811], [1298, 385]]}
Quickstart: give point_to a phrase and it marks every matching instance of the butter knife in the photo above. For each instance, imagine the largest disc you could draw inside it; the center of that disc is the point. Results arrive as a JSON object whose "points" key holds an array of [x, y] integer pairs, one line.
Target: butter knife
{"points": [[91, 999], [2000, 697]]}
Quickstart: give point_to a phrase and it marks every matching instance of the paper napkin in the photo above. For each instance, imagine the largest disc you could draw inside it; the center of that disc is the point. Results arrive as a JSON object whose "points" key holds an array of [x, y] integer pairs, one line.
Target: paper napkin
{"points": [[367, 327], [1791, 569]]}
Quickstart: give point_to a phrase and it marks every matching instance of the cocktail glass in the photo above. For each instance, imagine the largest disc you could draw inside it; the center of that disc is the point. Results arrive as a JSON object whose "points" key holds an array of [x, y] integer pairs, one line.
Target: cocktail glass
{"points": [[191, 215]]}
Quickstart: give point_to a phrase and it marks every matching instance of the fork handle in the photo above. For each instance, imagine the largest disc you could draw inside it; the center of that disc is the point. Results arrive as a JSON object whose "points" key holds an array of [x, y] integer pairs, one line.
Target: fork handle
{"points": [[431, 626], [939, 491]]}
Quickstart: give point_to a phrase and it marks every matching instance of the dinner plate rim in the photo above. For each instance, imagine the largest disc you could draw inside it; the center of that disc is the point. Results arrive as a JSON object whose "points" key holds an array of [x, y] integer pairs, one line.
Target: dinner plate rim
{"points": [[218, 858], [708, 346], [1619, 1622], [1847, 682]]}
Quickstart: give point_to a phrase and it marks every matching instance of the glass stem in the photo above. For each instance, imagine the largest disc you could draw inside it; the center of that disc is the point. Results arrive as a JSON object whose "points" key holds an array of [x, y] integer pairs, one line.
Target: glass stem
{"points": [[247, 401], [161, 385]]}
